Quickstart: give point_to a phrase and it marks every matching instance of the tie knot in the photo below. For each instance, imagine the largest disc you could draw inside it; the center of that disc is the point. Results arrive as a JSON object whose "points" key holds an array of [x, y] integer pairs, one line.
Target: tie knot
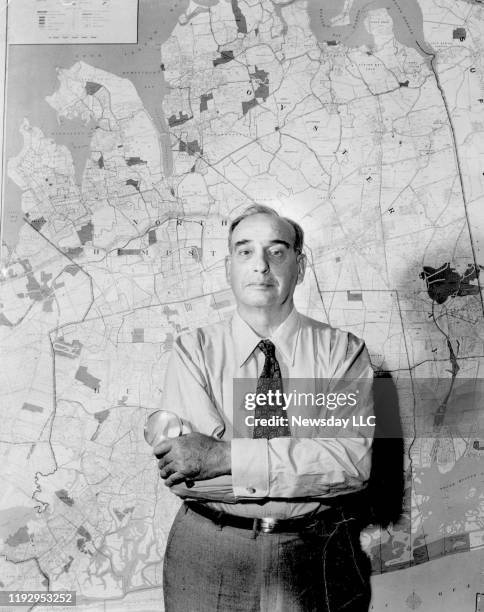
{"points": [[267, 347]]}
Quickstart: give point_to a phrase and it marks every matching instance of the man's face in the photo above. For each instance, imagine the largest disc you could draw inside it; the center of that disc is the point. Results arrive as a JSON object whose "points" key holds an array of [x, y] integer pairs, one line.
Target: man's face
{"points": [[263, 268]]}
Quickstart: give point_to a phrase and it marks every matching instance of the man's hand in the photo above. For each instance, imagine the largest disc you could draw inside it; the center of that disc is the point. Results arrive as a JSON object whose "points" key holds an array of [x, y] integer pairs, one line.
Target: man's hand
{"points": [[193, 456]]}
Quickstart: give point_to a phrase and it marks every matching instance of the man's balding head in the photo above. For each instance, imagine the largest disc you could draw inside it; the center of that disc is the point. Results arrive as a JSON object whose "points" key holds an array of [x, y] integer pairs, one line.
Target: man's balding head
{"points": [[261, 209]]}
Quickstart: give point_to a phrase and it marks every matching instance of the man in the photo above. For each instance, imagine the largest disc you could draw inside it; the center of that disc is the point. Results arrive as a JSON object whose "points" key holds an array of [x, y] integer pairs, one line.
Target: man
{"points": [[289, 542]]}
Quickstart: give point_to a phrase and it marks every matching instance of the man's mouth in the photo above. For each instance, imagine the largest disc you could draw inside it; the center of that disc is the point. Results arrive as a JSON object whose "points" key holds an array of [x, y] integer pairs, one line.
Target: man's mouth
{"points": [[261, 285]]}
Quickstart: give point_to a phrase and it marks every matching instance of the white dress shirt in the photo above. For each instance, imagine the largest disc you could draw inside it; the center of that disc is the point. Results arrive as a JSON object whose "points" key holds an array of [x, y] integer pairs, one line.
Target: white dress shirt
{"points": [[279, 477]]}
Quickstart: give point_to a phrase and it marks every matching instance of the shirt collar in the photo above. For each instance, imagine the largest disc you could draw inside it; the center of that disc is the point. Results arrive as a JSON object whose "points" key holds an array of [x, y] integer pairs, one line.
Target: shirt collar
{"points": [[284, 338]]}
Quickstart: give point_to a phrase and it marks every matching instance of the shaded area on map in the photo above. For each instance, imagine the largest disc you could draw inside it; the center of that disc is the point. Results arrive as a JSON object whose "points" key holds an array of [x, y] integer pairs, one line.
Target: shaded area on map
{"points": [[445, 282]]}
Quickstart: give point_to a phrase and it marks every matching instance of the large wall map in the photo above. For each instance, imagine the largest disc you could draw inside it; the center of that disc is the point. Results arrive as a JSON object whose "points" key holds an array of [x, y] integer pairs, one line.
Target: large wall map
{"points": [[123, 162]]}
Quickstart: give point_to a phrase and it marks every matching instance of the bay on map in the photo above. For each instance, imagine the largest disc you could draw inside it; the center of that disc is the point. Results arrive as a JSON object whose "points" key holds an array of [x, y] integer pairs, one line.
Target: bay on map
{"points": [[406, 15]]}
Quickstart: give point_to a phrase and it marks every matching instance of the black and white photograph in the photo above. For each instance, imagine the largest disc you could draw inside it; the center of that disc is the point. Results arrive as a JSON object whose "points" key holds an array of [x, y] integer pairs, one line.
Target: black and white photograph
{"points": [[241, 305]]}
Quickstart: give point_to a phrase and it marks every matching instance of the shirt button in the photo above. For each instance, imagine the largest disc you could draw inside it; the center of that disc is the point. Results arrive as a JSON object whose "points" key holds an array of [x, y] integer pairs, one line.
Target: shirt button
{"points": [[250, 490]]}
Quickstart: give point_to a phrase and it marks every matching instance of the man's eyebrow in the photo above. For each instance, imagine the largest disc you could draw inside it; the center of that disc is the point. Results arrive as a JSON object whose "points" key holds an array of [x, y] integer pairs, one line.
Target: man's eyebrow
{"points": [[247, 241], [241, 242], [284, 242]]}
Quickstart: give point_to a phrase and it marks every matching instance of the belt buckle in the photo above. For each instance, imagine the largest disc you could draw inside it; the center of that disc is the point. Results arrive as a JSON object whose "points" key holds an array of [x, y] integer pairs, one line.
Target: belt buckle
{"points": [[267, 525]]}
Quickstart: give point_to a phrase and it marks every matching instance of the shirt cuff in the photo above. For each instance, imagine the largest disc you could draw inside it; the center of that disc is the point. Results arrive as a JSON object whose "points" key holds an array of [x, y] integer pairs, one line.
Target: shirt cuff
{"points": [[250, 468]]}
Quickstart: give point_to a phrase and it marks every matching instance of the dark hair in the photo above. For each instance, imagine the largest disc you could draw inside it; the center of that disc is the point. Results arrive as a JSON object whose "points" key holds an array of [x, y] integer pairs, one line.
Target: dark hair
{"points": [[261, 209]]}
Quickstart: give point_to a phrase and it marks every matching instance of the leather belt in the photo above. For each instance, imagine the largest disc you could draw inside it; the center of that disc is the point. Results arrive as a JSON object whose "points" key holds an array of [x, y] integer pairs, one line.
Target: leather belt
{"points": [[264, 525]]}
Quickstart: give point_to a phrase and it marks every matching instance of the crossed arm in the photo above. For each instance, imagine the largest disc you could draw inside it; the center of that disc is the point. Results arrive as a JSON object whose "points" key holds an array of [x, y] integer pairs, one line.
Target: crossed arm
{"points": [[276, 468]]}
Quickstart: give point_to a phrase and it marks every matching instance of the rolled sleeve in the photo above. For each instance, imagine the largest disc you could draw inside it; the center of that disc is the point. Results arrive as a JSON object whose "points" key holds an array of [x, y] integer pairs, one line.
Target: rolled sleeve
{"points": [[185, 389]]}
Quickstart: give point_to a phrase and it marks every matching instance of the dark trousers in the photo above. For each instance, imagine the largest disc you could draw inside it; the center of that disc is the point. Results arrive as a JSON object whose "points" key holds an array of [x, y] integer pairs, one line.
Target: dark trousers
{"points": [[210, 568]]}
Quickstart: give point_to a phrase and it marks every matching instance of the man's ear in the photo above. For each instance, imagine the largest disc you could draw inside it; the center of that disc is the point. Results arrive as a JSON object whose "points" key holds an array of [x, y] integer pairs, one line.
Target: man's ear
{"points": [[301, 262], [227, 268]]}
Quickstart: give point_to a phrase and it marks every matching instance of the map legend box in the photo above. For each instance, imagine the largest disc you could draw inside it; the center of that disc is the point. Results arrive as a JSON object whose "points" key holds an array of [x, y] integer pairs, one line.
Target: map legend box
{"points": [[54, 22]]}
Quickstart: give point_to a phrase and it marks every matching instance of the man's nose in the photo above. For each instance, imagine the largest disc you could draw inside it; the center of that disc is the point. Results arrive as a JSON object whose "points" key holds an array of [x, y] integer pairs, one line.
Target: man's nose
{"points": [[260, 262]]}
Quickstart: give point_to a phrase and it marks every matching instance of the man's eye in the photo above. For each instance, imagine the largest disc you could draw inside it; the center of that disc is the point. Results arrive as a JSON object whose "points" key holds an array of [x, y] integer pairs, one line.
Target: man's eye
{"points": [[277, 253], [244, 252]]}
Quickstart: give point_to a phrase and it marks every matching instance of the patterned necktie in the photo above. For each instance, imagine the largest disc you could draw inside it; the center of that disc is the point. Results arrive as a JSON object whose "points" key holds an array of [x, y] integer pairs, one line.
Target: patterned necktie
{"points": [[270, 380]]}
